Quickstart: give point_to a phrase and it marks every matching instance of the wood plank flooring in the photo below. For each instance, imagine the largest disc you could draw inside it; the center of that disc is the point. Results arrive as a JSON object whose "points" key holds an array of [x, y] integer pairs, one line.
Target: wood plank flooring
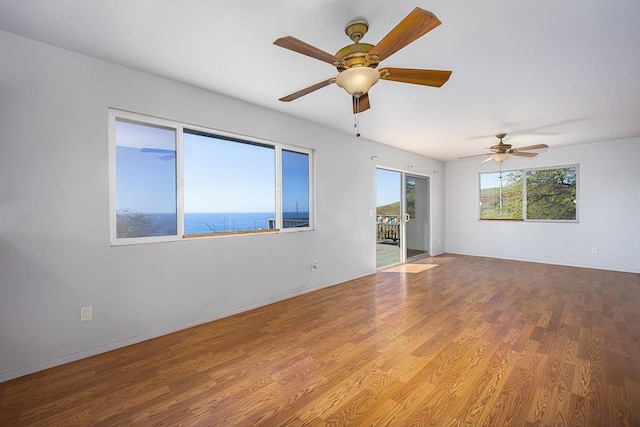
{"points": [[447, 341]]}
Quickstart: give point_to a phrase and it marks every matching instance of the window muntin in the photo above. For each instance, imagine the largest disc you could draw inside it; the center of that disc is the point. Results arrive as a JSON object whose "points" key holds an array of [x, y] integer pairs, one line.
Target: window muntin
{"points": [[547, 194], [201, 182], [145, 180]]}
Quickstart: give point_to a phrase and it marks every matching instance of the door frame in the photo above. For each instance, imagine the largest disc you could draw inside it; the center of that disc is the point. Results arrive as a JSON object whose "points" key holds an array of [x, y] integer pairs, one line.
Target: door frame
{"points": [[403, 244]]}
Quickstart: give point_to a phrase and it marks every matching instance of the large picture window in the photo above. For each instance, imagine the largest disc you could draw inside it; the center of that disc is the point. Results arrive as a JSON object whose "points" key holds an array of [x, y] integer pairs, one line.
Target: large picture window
{"points": [[171, 181], [546, 194]]}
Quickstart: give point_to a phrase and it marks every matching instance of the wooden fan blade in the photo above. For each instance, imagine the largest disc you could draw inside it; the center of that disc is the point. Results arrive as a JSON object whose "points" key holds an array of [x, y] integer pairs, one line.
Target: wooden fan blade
{"points": [[435, 78], [523, 154], [299, 46], [415, 25], [361, 104], [476, 155], [531, 147], [307, 90]]}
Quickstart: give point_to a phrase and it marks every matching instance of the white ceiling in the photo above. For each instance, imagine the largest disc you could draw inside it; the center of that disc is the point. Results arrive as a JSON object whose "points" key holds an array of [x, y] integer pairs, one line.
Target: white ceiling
{"points": [[544, 71]]}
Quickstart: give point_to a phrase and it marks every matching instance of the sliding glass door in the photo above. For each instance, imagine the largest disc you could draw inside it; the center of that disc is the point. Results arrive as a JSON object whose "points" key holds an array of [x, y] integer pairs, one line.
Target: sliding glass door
{"points": [[402, 217]]}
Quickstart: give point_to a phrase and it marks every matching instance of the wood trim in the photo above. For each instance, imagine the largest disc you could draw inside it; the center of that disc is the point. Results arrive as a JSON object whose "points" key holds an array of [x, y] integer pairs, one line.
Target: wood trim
{"points": [[230, 233]]}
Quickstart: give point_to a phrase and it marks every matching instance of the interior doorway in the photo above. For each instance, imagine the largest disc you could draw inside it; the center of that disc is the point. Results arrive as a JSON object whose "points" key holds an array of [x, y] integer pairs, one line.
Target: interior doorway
{"points": [[402, 217]]}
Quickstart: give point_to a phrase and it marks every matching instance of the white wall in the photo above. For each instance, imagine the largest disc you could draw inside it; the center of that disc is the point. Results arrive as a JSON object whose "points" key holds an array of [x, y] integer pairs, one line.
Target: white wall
{"points": [[609, 203], [55, 254]]}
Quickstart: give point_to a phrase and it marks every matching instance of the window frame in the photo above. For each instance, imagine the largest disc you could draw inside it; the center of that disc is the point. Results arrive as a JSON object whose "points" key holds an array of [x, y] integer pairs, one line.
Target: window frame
{"points": [[524, 172], [179, 127]]}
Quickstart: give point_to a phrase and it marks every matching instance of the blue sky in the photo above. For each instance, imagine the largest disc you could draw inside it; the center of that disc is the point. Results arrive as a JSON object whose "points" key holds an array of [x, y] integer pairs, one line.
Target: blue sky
{"points": [[295, 181], [492, 179], [225, 176], [388, 187], [144, 182], [219, 175]]}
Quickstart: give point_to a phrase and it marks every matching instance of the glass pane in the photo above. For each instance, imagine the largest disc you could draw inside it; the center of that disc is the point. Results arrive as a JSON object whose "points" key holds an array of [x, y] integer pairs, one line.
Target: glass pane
{"points": [[501, 195], [229, 186], [417, 207], [389, 192], [295, 189], [145, 180], [551, 194]]}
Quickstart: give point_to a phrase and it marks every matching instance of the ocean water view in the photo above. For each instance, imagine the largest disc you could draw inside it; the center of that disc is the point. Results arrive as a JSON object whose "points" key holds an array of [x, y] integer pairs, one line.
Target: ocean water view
{"points": [[196, 223], [163, 224]]}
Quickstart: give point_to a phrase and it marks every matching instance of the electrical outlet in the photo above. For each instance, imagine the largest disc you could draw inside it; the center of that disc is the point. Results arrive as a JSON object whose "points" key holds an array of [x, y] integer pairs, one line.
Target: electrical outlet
{"points": [[594, 250], [86, 313], [314, 266]]}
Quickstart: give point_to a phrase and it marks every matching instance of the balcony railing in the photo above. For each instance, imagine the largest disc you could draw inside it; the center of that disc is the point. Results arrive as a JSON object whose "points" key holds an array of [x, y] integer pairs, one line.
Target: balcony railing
{"points": [[290, 222], [388, 228]]}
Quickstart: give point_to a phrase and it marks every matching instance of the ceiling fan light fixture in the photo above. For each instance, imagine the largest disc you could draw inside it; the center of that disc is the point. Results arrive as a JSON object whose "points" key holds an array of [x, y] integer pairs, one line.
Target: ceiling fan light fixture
{"points": [[500, 157], [357, 81]]}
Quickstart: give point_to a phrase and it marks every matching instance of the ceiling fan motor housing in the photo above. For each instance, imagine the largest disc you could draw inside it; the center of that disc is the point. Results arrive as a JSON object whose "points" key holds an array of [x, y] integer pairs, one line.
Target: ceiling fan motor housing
{"points": [[355, 55], [500, 147]]}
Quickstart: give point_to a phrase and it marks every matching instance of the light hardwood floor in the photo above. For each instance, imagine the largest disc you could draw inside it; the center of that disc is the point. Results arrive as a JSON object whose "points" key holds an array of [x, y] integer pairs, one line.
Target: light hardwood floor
{"points": [[448, 341]]}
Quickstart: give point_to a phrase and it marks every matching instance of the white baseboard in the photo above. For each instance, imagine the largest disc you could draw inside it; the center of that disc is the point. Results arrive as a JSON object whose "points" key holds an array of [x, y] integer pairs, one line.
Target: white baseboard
{"points": [[595, 267]]}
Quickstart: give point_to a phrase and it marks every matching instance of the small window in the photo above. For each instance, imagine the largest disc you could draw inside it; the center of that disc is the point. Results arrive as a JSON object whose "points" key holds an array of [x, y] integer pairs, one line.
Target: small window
{"points": [[295, 189], [549, 194], [145, 180]]}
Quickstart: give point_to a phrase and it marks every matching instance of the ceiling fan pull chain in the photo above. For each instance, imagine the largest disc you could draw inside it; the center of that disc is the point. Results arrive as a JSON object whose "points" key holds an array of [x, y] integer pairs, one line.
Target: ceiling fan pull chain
{"points": [[356, 119], [501, 212]]}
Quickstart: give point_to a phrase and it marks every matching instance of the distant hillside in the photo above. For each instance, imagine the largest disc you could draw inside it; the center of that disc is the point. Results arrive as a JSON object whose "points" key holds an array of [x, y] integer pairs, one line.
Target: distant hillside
{"points": [[392, 209]]}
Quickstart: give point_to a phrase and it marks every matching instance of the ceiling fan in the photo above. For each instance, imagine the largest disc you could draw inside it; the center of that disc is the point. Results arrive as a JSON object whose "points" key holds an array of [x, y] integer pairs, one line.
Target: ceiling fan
{"points": [[357, 62], [501, 151]]}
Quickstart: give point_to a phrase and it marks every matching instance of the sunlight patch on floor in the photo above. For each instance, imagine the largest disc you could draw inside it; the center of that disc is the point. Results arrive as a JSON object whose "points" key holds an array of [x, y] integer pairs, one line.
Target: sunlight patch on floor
{"points": [[409, 268]]}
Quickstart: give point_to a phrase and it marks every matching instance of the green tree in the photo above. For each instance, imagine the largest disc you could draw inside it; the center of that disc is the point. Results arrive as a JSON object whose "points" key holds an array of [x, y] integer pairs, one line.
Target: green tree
{"points": [[551, 194]]}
